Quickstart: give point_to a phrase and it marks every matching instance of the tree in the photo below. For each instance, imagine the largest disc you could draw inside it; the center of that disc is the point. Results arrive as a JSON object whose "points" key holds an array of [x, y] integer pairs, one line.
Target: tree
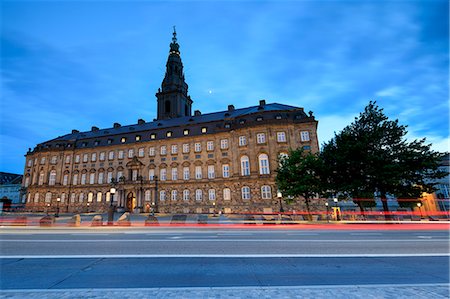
{"points": [[372, 155], [299, 175]]}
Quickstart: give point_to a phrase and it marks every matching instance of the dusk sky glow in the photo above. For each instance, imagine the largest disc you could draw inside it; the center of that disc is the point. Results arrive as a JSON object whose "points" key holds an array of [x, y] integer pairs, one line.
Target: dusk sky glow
{"points": [[75, 64]]}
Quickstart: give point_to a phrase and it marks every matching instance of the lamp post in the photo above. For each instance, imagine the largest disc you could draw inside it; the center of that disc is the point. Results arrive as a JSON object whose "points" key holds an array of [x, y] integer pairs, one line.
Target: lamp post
{"points": [[57, 206], [214, 209], [88, 204], [48, 208], [338, 218], [419, 205], [328, 211], [112, 191], [279, 196], [156, 194]]}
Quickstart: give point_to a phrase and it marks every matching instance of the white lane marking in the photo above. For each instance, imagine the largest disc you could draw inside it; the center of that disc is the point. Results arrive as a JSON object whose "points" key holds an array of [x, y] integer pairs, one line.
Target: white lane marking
{"points": [[177, 239], [303, 234], [366, 234], [235, 234], [223, 255], [424, 237], [89, 234]]}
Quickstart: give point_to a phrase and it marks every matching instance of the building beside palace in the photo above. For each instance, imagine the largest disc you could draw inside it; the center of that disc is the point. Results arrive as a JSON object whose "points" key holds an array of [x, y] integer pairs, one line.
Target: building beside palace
{"points": [[10, 188], [180, 162]]}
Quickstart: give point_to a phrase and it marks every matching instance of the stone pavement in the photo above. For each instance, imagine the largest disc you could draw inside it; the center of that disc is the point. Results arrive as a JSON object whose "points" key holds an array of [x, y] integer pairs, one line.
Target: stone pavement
{"points": [[429, 291]]}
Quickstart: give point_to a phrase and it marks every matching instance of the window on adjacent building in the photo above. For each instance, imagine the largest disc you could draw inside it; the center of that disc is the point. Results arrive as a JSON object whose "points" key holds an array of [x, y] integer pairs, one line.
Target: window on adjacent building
{"points": [[163, 174], [174, 149], [186, 174], [198, 172], [197, 147], [210, 145], [185, 132], [281, 136], [138, 138], [226, 194], [266, 192], [174, 174], [304, 136], [212, 194], [242, 140], [261, 138], [141, 152], [245, 166], [211, 172], [162, 195], [224, 143], [263, 164], [152, 136], [151, 151], [185, 194], [245, 193], [198, 194], [163, 150], [169, 134], [174, 194], [225, 170], [123, 139]]}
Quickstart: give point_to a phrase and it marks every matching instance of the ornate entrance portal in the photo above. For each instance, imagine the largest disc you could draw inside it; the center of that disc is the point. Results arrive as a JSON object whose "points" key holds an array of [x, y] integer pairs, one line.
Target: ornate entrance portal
{"points": [[131, 202]]}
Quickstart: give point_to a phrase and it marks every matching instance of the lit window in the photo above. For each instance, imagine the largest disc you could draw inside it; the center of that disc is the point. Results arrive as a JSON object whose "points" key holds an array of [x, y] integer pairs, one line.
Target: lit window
{"points": [[226, 194], [198, 194], [186, 194], [204, 130], [198, 172], [138, 138], [266, 192], [212, 194], [169, 134], [186, 132], [304, 136], [99, 197], [186, 174], [278, 117], [260, 138], [224, 143], [245, 193], [163, 174], [186, 148], [263, 164], [163, 150], [151, 151], [152, 136], [281, 136], [245, 166], [211, 173], [242, 140], [174, 149], [197, 147], [174, 194], [123, 139], [225, 170], [90, 196], [141, 152]]}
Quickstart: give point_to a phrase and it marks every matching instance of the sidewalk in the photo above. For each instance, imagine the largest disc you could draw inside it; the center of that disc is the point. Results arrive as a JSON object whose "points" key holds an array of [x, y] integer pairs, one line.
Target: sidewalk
{"points": [[430, 291]]}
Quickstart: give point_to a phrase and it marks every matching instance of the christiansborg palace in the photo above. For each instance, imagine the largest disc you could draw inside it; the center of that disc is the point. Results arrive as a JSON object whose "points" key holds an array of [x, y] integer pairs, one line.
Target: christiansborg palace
{"points": [[182, 162]]}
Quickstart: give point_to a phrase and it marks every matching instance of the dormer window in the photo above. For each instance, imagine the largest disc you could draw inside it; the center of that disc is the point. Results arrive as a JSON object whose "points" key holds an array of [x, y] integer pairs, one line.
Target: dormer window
{"points": [[110, 141], [84, 144], [138, 137], [259, 118], [278, 117], [123, 139], [186, 132], [204, 130], [169, 134], [227, 126], [96, 142], [152, 136], [242, 121]]}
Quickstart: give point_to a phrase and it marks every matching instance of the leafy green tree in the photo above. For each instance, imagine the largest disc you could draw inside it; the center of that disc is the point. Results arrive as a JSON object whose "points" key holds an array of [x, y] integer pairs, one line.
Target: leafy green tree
{"points": [[299, 175], [372, 155]]}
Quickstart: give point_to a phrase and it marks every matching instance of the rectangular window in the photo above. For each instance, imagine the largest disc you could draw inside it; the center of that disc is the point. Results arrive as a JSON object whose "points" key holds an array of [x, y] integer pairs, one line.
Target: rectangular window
{"points": [[141, 152], [224, 143], [151, 151], [110, 176], [30, 162], [75, 179], [54, 159], [120, 154], [162, 195], [130, 153], [134, 175], [83, 179], [85, 158], [92, 178], [225, 170], [281, 136], [186, 148], [163, 174], [226, 194], [94, 157], [119, 175], [210, 145], [100, 177], [242, 140], [163, 150], [198, 194], [304, 136], [65, 179], [260, 138], [174, 149], [197, 147], [67, 159], [102, 156], [198, 172], [77, 159], [174, 174], [211, 173], [111, 155], [212, 194], [43, 160], [245, 193], [186, 195], [186, 174], [174, 194]]}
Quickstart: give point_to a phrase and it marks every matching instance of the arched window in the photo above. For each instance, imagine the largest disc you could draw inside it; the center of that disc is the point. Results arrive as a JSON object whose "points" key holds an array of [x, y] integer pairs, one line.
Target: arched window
{"points": [[52, 178], [198, 194], [226, 194], [48, 197], [163, 174], [263, 164], [63, 197], [174, 195], [162, 195], [245, 165], [65, 179], [99, 196], [36, 197], [147, 195], [41, 178], [266, 192], [81, 198], [186, 194], [212, 194], [245, 193], [167, 106], [90, 196]]}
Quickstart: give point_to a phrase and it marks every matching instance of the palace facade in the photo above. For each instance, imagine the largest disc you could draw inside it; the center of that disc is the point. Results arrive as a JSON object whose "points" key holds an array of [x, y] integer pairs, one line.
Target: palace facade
{"points": [[180, 162]]}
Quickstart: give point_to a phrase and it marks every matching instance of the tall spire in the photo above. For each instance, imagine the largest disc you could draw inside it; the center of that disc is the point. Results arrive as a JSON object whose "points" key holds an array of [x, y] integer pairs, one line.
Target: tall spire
{"points": [[173, 100]]}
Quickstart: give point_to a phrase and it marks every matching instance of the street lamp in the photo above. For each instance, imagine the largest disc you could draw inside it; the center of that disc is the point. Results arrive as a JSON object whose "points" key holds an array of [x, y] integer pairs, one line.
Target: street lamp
{"points": [[88, 207], [58, 200], [279, 196], [419, 204], [48, 208], [214, 209], [156, 194], [338, 218], [328, 211], [112, 191]]}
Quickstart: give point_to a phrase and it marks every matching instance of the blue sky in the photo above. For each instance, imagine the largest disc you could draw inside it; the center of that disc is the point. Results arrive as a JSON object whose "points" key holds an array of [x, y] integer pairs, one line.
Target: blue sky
{"points": [[75, 64]]}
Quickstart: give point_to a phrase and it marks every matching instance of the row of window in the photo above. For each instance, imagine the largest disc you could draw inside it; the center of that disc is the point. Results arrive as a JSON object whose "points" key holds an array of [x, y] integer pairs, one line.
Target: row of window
{"points": [[263, 160], [266, 193], [260, 138]]}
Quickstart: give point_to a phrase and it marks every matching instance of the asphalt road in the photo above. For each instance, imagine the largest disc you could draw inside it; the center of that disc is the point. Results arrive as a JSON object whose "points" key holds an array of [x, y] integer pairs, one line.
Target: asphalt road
{"points": [[150, 257]]}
